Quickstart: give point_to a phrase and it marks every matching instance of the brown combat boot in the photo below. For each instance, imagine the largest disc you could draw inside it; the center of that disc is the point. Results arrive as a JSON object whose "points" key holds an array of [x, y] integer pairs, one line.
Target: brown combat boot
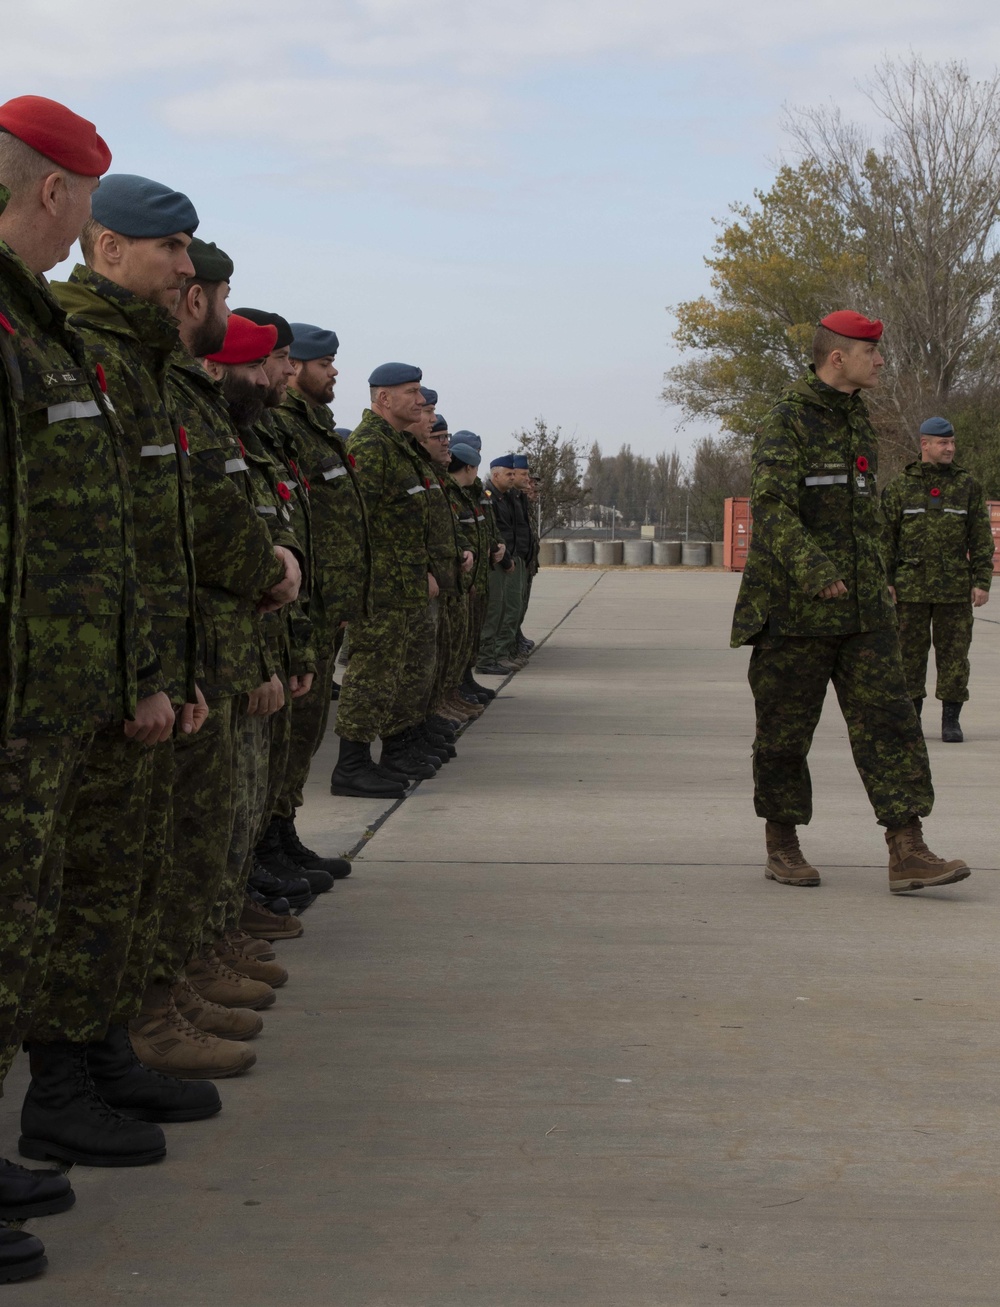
{"points": [[271, 973], [785, 862], [209, 976], [261, 950], [213, 1018], [913, 866], [262, 923], [456, 705], [165, 1042]]}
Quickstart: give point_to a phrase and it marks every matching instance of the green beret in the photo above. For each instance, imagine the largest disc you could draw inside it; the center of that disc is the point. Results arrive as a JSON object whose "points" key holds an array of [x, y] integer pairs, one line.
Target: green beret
{"points": [[210, 263]]}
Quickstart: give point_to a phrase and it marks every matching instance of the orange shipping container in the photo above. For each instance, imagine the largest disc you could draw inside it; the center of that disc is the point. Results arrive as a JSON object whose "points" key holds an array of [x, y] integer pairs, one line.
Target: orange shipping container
{"points": [[736, 531]]}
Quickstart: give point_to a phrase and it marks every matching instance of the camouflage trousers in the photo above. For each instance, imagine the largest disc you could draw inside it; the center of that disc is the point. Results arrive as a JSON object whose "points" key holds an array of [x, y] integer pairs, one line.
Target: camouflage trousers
{"points": [[452, 645], [529, 576], [388, 683], [278, 752], [503, 613], [310, 714], [117, 851], [789, 676], [477, 615], [39, 780], [249, 797], [950, 628], [203, 815]]}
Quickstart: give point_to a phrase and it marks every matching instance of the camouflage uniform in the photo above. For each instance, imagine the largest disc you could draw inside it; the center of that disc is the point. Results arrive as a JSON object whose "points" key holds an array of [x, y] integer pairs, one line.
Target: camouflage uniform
{"points": [[482, 576], [341, 575], [445, 552], [235, 564], [388, 681], [940, 546], [79, 613], [119, 841], [506, 589], [816, 521]]}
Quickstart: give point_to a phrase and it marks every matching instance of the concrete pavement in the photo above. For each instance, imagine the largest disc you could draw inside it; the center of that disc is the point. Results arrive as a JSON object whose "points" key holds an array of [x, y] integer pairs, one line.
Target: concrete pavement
{"points": [[557, 1041]]}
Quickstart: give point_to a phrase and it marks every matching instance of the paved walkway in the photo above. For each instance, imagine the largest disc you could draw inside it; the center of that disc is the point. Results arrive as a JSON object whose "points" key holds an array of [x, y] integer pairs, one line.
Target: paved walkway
{"points": [[557, 1041]]}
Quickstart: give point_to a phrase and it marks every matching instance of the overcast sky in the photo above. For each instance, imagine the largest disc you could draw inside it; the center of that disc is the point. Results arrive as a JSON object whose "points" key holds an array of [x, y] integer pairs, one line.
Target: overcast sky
{"points": [[509, 195]]}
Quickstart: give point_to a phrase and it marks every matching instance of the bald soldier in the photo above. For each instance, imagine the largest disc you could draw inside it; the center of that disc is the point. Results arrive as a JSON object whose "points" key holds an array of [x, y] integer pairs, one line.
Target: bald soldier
{"points": [[940, 567], [815, 607]]}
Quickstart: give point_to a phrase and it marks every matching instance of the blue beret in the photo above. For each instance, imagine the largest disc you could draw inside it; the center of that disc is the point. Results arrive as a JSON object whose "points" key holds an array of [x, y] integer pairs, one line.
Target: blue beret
{"points": [[395, 374], [430, 396], [937, 427], [520, 461], [440, 424], [505, 460], [466, 454], [469, 438], [309, 342], [343, 432], [135, 206]]}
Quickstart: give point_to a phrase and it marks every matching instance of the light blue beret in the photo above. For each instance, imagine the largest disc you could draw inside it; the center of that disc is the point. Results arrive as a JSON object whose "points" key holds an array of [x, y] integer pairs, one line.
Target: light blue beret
{"points": [[520, 461], [466, 454], [440, 424], [469, 438], [146, 210], [395, 374], [309, 342], [505, 460], [430, 396], [342, 432], [937, 427]]}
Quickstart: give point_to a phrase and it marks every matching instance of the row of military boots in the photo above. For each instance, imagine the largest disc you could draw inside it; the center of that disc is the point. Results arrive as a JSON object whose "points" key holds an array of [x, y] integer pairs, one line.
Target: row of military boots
{"points": [[951, 730], [104, 1103]]}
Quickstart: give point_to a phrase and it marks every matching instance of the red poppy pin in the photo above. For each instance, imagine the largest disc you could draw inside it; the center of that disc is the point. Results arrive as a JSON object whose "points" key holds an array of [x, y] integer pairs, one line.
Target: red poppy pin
{"points": [[935, 492], [306, 484], [352, 460], [291, 464], [861, 463], [427, 484], [182, 437], [243, 448], [283, 491], [10, 330], [102, 380]]}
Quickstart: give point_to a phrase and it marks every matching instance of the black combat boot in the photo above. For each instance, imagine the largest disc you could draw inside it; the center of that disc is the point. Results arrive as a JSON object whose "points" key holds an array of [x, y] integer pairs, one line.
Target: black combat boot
{"points": [[951, 732], [273, 856], [472, 686], [140, 1093], [22, 1255], [438, 740], [355, 776], [422, 743], [297, 891], [24, 1193], [335, 868], [63, 1118], [396, 753]]}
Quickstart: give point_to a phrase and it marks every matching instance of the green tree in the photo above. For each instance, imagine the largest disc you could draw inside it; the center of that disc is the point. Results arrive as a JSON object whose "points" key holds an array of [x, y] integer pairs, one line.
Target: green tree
{"points": [[555, 462]]}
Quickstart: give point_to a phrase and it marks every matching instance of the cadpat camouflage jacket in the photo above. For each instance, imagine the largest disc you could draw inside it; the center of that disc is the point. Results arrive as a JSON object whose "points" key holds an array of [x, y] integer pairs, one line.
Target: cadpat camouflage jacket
{"points": [[234, 557], [133, 340], [394, 484], [939, 542], [341, 547], [816, 520], [83, 647]]}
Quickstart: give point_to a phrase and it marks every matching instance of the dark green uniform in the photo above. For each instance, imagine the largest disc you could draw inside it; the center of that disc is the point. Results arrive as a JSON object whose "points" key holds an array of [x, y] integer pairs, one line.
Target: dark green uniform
{"points": [[445, 552], [388, 681], [817, 520], [340, 589], [120, 838], [235, 565], [506, 589], [940, 546], [82, 647]]}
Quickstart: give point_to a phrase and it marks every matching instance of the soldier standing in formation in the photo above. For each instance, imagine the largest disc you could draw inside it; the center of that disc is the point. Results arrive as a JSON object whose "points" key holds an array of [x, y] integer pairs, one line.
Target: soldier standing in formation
{"points": [[814, 604], [163, 685], [940, 567]]}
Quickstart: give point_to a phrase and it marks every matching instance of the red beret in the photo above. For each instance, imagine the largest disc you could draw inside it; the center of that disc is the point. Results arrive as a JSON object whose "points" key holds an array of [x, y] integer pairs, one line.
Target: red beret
{"points": [[55, 131], [852, 325], [245, 342]]}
